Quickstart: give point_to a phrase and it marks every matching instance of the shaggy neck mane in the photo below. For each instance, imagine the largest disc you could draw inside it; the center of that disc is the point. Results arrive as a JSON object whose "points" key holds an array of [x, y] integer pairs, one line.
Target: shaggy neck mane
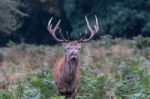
{"points": [[70, 67]]}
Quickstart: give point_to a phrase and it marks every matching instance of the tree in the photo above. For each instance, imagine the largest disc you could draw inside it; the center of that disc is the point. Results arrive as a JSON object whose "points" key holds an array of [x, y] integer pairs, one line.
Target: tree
{"points": [[10, 15]]}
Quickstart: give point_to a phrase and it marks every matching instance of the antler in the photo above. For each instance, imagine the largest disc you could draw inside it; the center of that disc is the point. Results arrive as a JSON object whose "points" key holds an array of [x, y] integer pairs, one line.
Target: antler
{"points": [[53, 31], [92, 30]]}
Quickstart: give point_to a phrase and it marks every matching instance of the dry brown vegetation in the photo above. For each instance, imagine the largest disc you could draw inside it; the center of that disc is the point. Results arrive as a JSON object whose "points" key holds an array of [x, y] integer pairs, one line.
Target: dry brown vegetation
{"points": [[105, 66], [18, 62]]}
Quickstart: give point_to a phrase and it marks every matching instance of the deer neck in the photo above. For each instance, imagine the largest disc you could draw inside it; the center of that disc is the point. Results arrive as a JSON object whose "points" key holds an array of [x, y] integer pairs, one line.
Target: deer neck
{"points": [[71, 66]]}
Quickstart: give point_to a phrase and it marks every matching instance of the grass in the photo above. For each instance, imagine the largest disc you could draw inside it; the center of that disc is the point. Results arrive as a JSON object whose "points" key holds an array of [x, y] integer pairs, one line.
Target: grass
{"points": [[110, 69]]}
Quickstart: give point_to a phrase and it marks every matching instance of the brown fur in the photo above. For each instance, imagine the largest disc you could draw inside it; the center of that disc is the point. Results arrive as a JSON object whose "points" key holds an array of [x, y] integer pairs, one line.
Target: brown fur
{"points": [[66, 77]]}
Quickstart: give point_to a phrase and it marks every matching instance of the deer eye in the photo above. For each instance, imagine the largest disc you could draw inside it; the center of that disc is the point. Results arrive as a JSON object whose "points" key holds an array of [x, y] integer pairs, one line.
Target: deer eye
{"points": [[78, 48], [68, 48]]}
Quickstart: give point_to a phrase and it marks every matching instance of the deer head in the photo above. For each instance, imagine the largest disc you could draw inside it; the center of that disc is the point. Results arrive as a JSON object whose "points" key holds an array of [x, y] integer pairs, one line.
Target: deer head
{"points": [[72, 49], [66, 75]]}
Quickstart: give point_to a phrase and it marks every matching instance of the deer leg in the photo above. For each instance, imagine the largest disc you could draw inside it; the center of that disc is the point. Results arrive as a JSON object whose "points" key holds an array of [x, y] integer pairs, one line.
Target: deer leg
{"points": [[62, 91], [74, 94], [70, 93], [66, 97]]}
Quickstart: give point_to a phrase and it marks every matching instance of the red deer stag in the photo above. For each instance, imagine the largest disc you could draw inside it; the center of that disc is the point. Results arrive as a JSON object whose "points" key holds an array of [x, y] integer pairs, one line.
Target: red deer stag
{"points": [[66, 72]]}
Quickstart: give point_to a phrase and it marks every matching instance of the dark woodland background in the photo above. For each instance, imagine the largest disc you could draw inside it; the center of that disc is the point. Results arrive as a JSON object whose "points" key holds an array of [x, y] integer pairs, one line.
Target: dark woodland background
{"points": [[26, 20]]}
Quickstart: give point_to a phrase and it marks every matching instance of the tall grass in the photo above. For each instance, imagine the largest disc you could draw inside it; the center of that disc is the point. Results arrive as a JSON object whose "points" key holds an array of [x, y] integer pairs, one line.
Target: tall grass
{"points": [[110, 69]]}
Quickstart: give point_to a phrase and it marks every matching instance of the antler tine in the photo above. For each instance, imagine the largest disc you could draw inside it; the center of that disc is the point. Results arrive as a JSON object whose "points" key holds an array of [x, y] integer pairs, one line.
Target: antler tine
{"points": [[57, 25], [49, 23], [53, 31], [92, 30], [96, 26], [63, 36]]}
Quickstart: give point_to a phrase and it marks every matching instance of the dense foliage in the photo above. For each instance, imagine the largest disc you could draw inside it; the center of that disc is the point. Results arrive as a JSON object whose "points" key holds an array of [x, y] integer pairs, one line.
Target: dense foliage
{"points": [[26, 20], [10, 18], [10, 15]]}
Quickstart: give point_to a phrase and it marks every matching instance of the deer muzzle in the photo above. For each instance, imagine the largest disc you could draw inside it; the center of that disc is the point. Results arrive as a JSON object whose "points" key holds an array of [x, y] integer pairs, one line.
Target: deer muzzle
{"points": [[74, 56]]}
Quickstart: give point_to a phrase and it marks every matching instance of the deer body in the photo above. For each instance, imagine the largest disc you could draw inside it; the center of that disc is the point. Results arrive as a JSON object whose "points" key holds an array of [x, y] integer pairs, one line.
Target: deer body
{"points": [[66, 77], [66, 72]]}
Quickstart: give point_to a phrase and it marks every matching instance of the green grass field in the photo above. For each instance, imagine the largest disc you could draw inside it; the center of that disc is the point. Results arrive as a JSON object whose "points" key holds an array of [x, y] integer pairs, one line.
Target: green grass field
{"points": [[110, 69]]}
